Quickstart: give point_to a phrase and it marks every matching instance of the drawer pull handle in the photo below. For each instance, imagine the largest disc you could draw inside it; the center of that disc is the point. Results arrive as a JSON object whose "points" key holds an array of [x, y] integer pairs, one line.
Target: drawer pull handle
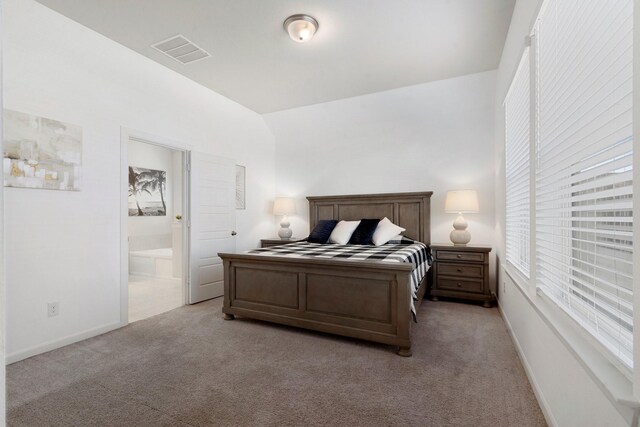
{"points": [[459, 256], [459, 284]]}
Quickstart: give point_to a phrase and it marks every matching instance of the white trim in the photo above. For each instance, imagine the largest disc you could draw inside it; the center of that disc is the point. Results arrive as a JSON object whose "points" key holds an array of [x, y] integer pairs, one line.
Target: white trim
{"points": [[537, 390], [523, 282], [127, 134], [124, 244], [533, 159], [70, 339], [615, 385], [186, 231], [636, 199], [532, 25], [523, 55]]}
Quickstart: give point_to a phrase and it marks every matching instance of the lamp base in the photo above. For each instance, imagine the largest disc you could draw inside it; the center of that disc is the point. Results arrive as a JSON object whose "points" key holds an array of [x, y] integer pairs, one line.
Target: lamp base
{"points": [[460, 236], [285, 232]]}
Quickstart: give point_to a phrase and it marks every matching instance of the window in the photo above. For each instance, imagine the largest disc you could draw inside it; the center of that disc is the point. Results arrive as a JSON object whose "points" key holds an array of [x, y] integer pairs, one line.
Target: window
{"points": [[517, 118], [584, 166], [581, 92]]}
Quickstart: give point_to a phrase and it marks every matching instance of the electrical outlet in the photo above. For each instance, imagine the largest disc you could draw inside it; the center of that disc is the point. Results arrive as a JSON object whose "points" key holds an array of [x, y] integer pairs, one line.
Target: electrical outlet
{"points": [[53, 309]]}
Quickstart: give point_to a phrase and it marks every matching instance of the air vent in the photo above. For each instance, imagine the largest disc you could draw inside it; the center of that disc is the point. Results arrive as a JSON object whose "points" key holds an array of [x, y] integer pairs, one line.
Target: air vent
{"points": [[181, 49]]}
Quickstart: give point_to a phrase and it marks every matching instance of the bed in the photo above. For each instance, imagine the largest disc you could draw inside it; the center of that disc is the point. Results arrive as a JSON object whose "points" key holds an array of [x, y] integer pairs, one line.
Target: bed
{"points": [[365, 299]]}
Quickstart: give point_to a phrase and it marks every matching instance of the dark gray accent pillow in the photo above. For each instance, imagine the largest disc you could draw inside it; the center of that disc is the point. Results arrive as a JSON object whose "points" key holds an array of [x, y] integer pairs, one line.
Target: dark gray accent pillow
{"points": [[322, 231], [363, 235]]}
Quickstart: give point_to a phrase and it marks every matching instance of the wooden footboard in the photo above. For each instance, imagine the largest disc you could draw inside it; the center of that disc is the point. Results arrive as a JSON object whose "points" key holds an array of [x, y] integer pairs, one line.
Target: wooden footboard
{"points": [[361, 299]]}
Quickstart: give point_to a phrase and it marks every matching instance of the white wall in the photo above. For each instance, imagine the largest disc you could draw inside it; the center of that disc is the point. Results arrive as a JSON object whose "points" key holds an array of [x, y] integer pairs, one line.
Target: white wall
{"points": [[3, 304], [65, 246], [436, 136], [151, 232], [566, 391]]}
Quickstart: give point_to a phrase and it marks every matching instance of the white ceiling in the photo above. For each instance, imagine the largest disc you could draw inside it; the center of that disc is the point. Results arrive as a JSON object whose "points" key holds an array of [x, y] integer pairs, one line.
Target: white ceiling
{"points": [[362, 46]]}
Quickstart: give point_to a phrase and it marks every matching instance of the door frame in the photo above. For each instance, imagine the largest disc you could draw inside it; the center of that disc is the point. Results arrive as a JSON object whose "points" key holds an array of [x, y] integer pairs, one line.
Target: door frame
{"points": [[126, 135]]}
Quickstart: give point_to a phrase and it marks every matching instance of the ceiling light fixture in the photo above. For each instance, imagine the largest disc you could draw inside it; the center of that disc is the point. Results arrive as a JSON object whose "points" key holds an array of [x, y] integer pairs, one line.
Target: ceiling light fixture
{"points": [[301, 28]]}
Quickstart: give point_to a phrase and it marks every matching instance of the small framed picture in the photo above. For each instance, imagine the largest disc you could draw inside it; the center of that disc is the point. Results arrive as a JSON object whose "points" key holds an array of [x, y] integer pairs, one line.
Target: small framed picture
{"points": [[240, 187]]}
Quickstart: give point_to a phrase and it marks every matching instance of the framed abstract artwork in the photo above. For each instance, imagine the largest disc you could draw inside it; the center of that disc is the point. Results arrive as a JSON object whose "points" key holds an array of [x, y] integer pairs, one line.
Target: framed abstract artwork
{"points": [[41, 153]]}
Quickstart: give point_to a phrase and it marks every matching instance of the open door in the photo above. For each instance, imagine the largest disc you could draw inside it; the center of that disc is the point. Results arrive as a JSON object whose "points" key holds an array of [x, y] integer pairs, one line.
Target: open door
{"points": [[212, 223]]}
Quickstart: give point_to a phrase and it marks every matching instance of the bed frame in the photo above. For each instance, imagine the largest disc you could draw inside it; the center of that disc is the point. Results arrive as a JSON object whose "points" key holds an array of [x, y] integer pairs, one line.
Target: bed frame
{"points": [[361, 299]]}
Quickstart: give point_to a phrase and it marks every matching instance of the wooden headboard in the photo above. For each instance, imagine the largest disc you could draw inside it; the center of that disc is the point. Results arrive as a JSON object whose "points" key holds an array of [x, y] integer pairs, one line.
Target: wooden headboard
{"points": [[408, 210]]}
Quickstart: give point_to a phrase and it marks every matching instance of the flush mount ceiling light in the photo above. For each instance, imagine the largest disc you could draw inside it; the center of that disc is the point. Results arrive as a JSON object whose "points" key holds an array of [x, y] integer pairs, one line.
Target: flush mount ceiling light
{"points": [[301, 28]]}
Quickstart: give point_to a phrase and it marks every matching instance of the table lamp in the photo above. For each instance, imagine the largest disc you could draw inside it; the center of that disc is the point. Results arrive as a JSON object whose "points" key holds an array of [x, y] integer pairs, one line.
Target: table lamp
{"points": [[284, 206], [461, 201]]}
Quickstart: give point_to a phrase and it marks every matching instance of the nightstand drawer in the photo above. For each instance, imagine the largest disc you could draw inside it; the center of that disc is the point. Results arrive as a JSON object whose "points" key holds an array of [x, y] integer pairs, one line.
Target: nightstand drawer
{"points": [[461, 270], [466, 285], [460, 256]]}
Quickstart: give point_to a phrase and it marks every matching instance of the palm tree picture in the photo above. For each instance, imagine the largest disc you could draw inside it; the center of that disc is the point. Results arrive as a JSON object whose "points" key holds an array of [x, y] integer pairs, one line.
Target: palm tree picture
{"points": [[147, 188]]}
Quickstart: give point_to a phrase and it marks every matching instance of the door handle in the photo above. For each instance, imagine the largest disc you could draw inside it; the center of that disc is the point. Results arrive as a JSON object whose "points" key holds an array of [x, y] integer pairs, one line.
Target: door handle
{"points": [[233, 233]]}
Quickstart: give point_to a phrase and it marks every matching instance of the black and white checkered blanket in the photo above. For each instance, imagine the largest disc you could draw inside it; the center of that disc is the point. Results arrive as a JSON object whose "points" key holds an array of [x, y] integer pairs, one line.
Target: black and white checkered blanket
{"points": [[406, 250]]}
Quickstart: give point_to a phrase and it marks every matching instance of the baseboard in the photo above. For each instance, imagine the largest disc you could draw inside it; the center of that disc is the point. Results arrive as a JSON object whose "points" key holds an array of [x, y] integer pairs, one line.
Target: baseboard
{"points": [[52, 345], [546, 411]]}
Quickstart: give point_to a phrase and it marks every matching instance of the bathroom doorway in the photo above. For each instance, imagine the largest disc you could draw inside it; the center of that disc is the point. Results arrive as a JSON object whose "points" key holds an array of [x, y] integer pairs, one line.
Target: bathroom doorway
{"points": [[156, 229]]}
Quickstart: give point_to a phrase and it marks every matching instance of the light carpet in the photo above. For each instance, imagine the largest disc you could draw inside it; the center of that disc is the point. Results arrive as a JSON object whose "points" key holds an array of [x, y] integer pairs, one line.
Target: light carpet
{"points": [[188, 367]]}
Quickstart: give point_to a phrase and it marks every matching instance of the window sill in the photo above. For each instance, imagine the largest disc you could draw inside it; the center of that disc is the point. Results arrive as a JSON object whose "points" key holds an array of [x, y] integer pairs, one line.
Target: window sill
{"points": [[610, 379], [519, 279]]}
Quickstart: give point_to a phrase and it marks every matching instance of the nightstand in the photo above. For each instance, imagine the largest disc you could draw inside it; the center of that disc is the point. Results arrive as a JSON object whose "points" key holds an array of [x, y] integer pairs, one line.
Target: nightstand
{"points": [[276, 241], [461, 272]]}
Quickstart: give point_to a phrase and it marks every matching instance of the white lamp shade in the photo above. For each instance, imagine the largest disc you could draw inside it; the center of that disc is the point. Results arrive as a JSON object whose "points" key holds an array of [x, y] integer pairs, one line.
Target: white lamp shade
{"points": [[462, 201], [284, 206]]}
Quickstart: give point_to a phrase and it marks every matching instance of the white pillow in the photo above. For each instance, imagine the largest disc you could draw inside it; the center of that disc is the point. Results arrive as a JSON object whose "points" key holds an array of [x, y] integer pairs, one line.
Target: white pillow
{"points": [[385, 231], [343, 231]]}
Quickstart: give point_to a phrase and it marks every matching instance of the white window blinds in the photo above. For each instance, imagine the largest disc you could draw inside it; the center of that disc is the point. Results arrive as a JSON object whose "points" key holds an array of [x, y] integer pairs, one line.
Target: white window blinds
{"points": [[584, 165], [517, 118]]}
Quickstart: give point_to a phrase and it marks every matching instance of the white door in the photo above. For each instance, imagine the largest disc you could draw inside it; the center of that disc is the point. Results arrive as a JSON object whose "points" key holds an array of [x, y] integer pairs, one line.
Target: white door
{"points": [[213, 219]]}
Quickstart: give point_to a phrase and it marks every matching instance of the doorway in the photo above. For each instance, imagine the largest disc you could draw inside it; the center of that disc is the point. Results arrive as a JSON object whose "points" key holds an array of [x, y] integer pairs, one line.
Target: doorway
{"points": [[200, 208], [156, 208]]}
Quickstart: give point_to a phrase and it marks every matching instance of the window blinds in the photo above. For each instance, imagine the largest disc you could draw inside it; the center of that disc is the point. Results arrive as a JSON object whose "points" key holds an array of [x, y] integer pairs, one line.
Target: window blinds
{"points": [[584, 165], [517, 118]]}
